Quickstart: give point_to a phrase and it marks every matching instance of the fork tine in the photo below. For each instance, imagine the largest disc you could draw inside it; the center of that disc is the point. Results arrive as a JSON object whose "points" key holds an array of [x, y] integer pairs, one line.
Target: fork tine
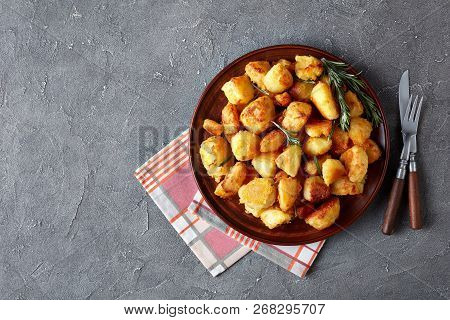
{"points": [[419, 108], [408, 109], [413, 109]]}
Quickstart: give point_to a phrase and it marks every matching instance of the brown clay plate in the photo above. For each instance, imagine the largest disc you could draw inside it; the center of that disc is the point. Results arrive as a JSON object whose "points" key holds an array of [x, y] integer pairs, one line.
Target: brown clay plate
{"points": [[297, 232]]}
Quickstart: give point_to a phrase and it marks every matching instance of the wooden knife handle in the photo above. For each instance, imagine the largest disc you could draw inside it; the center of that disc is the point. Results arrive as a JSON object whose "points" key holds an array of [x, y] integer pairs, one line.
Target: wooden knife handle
{"points": [[415, 212], [390, 215]]}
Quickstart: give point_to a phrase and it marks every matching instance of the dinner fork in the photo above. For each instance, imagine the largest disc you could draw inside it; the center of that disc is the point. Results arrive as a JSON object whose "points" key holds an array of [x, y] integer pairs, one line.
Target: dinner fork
{"points": [[409, 129]]}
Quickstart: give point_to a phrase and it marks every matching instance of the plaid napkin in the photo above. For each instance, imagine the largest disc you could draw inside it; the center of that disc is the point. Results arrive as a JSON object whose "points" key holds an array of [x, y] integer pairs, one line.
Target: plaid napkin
{"points": [[168, 180]]}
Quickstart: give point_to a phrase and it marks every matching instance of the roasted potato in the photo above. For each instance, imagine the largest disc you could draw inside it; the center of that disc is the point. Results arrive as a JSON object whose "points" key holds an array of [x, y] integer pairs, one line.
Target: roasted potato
{"points": [[274, 217], [315, 189], [343, 187], [216, 156], [356, 162], [280, 175], [372, 149], [258, 114], [325, 215], [239, 90], [255, 212], [289, 160], [230, 119], [233, 181], [310, 166], [288, 191], [278, 79], [256, 70], [260, 193], [245, 145], [283, 99], [354, 105], [301, 90], [325, 78], [287, 64], [296, 116], [332, 169], [304, 211], [360, 130], [316, 146], [322, 97], [341, 141], [317, 128], [212, 127], [308, 67], [272, 141], [265, 165]]}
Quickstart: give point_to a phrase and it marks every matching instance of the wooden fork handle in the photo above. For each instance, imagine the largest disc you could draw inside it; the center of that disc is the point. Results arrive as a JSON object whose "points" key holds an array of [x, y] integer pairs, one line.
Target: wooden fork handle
{"points": [[415, 212]]}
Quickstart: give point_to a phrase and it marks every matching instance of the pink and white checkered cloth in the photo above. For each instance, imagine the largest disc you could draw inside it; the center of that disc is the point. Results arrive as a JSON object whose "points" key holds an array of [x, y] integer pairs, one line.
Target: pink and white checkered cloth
{"points": [[168, 180]]}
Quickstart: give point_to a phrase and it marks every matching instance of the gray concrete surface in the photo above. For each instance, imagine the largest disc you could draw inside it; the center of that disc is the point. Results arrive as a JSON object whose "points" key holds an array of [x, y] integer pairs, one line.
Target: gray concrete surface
{"points": [[79, 79]]}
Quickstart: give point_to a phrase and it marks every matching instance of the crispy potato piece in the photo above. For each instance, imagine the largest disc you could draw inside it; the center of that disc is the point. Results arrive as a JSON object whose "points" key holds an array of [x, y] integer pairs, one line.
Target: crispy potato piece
{"points": [[372, 149], [274, 217], [273, 141], [260, 193], [280, 175], [316, 146], [332, 169], [283, 99], [230, 119], [239, 90], [355, 106], [212, 127], [216, 156], [310, 166], [315, 189], [288, 191], [360, 130], [308, 67], [255, 212], [341, 141], [356, 162], [245, 145], [296, 116], [325, 215], [317, 128], [278, 79], [322, 97], [304, 211], [233, 181], [289, 160], [257, 115], [301, 90], [287, 64], [256, 70], [325, 78], [343, 187], [265, 165]]}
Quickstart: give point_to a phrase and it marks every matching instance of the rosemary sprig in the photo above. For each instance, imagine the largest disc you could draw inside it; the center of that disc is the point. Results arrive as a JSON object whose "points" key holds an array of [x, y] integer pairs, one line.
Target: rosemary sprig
{"points": [[331, 132], [339, 76], [316, 162], [290, 138], [260, 90]]}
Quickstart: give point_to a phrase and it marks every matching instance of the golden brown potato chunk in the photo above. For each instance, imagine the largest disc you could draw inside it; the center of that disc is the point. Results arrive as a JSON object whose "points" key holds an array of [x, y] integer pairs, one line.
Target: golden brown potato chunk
{"points": [[265, 165], [260, 193], [256, 70], [212, 127], [341, 141], [278, 79], [288, 191], [356, 162], [230, 119], [301, 90], [311, 167], [317, 128], [289, 160], [296, 116], [255, 212], [355, 106], [283, 99], [216, 156], [316, 146], [273, 141], [233, 181], [274, 217], [315, 189], [280, 175], [287, 64], [245, 145], [332, 169], [325, 215], [239, 90], [323, 99], [372, 149], [360, 130], [308, 67], [343, 187], [257, 115]]}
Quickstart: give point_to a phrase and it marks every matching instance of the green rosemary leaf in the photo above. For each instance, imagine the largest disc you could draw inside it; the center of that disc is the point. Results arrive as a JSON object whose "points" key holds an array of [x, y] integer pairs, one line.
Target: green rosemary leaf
{"points": [[290, 138], [332, 131], [260, 90], [316, 162]]}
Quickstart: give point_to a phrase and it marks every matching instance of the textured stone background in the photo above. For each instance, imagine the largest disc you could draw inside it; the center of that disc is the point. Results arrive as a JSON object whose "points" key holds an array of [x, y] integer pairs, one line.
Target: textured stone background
{"points": [[80, 78]]}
